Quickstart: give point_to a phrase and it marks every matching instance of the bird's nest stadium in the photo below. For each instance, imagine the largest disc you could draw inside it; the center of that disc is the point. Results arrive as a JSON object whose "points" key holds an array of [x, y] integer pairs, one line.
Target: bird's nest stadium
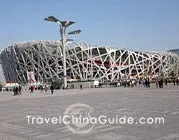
{"points": [[83, 61]]}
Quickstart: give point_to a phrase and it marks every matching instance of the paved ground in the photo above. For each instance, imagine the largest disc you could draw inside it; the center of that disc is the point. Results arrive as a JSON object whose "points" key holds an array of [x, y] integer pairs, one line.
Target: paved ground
{"points": [[136, 102]]}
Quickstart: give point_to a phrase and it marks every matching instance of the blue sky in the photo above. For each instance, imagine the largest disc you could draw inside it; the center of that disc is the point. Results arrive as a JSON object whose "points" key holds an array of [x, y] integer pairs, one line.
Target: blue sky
{"points": [[134, 24]]}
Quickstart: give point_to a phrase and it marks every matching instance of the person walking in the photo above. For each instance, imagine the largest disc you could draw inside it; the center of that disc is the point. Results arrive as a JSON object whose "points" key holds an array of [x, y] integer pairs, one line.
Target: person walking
{"points": [[81, 86], [17, 90], [46, 88], [157, 82], [52, 89], [31, 89], [177, 81], [173, 81], [14, 90], [20, 89], [166, 82], [161, 83]]}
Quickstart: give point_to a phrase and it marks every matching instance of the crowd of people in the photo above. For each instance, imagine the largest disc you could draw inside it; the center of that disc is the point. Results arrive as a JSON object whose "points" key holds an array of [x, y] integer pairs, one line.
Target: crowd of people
{"points": [[160, 82], [146, 82], [17, 90], [45, 88]]}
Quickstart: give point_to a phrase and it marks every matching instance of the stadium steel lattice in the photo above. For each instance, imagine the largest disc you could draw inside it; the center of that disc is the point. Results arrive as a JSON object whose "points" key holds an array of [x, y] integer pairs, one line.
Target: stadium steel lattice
{"points": [[84, 62]]}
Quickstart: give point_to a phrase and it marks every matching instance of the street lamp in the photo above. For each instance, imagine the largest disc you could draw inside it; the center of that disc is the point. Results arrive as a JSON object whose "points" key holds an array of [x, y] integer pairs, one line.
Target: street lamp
{"points": [[74, 32], [63, 25]]}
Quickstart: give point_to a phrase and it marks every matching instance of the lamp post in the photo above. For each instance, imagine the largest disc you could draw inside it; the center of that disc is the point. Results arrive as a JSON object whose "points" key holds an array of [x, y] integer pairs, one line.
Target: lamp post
{"points": [[63, 26]]}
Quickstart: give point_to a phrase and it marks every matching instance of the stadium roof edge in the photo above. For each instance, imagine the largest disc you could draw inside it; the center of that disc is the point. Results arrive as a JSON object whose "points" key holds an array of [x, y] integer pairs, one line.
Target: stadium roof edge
{"points": [[90, 45]]}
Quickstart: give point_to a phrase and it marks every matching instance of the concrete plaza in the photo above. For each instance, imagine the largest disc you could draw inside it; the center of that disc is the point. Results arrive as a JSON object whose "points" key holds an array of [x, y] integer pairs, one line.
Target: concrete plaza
{"points": [[136, 102]]}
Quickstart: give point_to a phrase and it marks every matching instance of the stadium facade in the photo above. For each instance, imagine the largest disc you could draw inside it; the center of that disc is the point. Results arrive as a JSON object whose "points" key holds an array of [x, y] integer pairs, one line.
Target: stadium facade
{"points": [[84, 62]]}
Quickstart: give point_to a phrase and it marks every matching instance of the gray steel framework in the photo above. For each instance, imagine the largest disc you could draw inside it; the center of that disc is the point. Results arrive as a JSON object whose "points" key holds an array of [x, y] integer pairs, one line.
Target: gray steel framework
{"points": [[84, 62]]}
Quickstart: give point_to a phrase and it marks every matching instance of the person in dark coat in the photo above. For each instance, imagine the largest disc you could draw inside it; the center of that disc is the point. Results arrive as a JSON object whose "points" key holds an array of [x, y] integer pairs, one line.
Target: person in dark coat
{"points": [[81, 87], [166, 82], [177, 81], [20, 89], [173, 81], [14, 90], [161, 83], [52, 89], [46, 88], [31, 89]]}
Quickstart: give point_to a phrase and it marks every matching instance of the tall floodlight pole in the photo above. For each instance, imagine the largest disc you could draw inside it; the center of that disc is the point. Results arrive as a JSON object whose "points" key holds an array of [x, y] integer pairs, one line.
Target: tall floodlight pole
{"points": [[63, 26]]}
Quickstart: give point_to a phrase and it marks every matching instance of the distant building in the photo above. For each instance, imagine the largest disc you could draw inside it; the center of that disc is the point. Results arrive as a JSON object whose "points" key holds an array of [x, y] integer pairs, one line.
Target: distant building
{"points": [[84, 62]]}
